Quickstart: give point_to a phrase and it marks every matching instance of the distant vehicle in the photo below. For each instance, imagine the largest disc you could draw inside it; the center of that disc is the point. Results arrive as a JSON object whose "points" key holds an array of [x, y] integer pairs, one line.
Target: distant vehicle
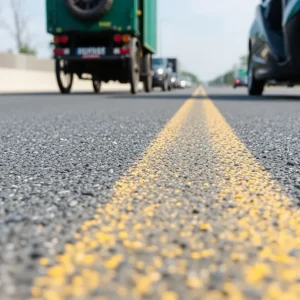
{"points": [[162, 74], [182, 83], [189, 83], [175, 81], [175, 65], [240, 82], [274, 45], [103, 40], [185, 82]]}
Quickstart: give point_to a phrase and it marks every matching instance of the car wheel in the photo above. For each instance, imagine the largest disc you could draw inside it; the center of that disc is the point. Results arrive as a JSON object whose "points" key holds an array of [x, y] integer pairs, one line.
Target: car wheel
{"points": [[255, 87]]}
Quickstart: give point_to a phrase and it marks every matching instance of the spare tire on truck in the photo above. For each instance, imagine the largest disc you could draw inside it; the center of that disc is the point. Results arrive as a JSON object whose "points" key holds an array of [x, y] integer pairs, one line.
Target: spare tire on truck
{"points": [[88, 10]]}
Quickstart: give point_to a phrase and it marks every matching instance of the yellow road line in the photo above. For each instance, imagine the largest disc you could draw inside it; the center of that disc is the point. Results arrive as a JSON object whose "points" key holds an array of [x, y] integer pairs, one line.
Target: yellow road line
{"points": [[262, 219], [147, 242], [108, 225]]}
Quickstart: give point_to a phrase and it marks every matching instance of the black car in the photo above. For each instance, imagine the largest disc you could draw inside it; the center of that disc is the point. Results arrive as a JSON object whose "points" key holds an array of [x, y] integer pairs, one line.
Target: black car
{"points": [[274, 45], [162, 74]]}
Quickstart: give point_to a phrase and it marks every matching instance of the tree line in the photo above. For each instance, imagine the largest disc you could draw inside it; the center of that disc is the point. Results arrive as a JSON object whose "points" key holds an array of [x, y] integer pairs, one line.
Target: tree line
{"points": [[228, 77], [16, 25]]}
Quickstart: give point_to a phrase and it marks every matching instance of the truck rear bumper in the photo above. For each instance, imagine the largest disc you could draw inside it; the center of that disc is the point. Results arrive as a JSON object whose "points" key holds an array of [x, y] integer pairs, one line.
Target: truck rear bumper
{"points": [[104, 68], [92, 53], [92, 58]]}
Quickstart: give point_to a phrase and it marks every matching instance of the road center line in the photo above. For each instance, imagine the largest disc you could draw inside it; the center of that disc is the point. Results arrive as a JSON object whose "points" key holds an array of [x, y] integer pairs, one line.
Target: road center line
{"points": [[90, 264], [262, 223], [168, 234]]}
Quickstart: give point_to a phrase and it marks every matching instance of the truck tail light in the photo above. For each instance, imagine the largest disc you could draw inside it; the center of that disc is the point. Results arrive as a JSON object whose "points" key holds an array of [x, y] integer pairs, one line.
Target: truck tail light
{"points": [[58, 51], [64, 39], [126, 38], [118, 38], [61, 51], [56, 39], [124, 51], [61, 39]]}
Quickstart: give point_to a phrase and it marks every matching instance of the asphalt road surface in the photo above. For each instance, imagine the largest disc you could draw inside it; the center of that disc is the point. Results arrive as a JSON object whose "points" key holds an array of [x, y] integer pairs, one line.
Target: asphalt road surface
{"points": [[192, 194]]}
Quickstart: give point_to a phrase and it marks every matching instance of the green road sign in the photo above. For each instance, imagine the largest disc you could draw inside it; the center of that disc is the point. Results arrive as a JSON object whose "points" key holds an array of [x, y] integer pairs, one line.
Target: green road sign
{"points": [[242, 72]]}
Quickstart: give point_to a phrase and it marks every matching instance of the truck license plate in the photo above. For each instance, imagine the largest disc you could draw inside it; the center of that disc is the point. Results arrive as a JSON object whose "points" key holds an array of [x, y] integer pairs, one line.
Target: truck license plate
{"points": [[91, 51]]}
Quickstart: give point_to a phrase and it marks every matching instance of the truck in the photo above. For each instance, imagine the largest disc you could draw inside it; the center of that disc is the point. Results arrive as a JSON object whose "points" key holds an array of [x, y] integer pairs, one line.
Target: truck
{"points": [[103, 40], [175, 65], [174, 62]]}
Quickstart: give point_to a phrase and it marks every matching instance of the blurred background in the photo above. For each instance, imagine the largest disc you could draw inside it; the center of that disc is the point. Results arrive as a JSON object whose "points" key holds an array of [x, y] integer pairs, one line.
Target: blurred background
{"points": [[209, 37]]}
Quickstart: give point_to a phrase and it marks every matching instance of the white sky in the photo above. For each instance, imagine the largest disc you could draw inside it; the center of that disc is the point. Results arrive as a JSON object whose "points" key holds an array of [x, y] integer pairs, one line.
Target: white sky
{"points": [[208, 36]]}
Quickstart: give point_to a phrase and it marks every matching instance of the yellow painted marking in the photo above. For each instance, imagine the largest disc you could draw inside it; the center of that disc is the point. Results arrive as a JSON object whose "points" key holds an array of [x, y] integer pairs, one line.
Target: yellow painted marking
{"points": [[108, 230], [267, 223], [244, 237]]}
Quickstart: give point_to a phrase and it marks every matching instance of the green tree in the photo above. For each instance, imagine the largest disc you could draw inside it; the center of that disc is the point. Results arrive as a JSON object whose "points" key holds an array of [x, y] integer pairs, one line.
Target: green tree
{"points": [[227, 79], [17, 26], [25, 49], [194, 78], [244, 60]]}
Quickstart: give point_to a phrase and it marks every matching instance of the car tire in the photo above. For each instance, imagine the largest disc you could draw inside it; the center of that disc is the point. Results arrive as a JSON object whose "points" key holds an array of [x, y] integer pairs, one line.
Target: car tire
{"points": [[255, 87], [85, 13]]}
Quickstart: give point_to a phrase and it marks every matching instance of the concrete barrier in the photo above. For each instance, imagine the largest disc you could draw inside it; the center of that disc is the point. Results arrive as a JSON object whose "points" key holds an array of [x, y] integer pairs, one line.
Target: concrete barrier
{"points": [[22, 81], [25, 62], [25, 74]]}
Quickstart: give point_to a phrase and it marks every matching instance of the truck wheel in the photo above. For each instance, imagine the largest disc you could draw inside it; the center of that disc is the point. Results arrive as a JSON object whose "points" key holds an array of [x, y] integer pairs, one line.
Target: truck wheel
{"points": [[147, 68], [87, 10], [164, 85], [255, 87], [64, 78], [134, 67], [96, 85]]}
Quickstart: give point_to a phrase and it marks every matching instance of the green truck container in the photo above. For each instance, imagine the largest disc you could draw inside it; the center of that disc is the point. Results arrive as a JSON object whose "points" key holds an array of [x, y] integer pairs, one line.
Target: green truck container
{"points": [[103, 40]]}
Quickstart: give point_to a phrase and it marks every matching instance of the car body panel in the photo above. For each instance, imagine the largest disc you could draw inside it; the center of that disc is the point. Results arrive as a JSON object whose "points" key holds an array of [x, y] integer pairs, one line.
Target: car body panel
{"points": [[292, 9], [276, 53]]}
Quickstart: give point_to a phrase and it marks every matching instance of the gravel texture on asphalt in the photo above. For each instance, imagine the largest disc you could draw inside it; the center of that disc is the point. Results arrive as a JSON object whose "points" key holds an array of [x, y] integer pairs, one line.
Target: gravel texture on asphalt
{"points": [[93, 204], [196, 217], [60, 156], [269, 127]]}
